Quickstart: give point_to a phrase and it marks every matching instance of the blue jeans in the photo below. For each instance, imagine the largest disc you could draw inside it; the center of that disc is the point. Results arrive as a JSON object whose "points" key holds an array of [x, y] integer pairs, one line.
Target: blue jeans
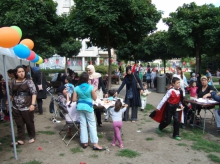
{"points": [[87, 118], [215, 96]]}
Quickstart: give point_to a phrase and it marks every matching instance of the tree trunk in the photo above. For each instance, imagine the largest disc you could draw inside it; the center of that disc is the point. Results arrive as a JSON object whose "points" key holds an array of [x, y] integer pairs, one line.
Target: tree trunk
{"points": [[164, 65], [109, 68], [66, 65], [197, 59]]}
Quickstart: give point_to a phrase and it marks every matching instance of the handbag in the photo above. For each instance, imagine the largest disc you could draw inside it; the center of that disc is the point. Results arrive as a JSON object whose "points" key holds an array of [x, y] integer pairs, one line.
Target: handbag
{"points": [[138, 85], [40, 87], [130, 93]]}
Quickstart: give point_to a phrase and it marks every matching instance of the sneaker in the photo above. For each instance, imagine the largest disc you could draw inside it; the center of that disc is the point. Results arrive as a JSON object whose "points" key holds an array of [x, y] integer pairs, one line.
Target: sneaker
{"points": [[121, 146], [113, 144], [142, 109], [158, 131], [177, 138], [105, 114], [106, 120]]}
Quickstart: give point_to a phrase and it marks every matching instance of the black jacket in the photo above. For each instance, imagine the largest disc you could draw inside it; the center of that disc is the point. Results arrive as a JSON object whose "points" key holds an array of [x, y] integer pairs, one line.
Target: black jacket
{"points": [[37, 76]]}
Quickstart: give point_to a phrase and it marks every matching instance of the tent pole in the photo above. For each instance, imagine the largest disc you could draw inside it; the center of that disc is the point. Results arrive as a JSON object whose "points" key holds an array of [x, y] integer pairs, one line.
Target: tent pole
{"points": [[30, 68], [9, 106]]}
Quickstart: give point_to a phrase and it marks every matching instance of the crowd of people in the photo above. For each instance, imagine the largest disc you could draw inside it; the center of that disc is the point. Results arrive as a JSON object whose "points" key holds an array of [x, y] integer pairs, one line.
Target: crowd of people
{"points": [[77, 93]]}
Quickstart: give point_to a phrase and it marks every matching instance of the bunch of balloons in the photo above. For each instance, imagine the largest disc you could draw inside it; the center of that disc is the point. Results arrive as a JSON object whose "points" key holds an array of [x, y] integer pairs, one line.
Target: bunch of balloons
{"points": [[10, 38]]}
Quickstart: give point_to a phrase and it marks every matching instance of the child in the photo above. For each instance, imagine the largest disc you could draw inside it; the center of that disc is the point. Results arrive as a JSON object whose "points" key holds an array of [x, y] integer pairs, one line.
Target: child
{"points": [[110, 93], [168, 108], [69, 86], [144, 97], [209, 81], [116, 114], [193, 89]]}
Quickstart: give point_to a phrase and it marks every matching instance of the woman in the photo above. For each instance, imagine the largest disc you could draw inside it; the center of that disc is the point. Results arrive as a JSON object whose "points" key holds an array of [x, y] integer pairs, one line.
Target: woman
{"points": [[64, 98], [203, 91], [41, 85], [132, 96], [179, 74], [86, 94], [95, 79], [23, 94]]}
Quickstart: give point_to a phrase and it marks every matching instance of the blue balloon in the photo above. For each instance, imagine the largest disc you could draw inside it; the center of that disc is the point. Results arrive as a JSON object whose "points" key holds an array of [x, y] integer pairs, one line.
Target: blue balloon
{"points": [[35, 59], [22, 51]]}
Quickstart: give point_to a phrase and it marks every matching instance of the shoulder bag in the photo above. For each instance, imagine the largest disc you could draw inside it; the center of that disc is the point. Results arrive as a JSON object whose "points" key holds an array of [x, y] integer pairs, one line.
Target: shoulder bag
{"points": [[138, 85]]}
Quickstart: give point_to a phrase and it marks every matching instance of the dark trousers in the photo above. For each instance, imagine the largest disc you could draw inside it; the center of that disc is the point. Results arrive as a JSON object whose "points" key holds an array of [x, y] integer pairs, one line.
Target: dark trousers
{"points": [[148, 83], [40, 105], [21, 118], [134, 111], [98, 116], [170, 112]]}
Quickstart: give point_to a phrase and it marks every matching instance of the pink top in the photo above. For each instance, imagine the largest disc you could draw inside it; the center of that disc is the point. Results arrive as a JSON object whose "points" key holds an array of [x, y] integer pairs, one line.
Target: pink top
{"points": [[94, 82], [192, 91]]}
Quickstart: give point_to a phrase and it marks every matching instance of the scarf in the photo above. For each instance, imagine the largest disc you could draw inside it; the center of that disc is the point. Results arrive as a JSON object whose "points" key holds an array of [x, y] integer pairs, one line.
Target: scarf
{"points": [[94, 75]]}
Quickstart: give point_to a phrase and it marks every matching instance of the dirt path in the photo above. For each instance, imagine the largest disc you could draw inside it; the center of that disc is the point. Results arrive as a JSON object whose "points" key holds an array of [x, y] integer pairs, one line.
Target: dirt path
{"points": [[140, 137]]}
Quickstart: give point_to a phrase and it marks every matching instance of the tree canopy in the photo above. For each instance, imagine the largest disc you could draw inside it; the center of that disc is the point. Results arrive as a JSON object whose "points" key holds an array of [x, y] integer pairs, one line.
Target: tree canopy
{"points": [[109, 24], [37, 20], [194, 30]]}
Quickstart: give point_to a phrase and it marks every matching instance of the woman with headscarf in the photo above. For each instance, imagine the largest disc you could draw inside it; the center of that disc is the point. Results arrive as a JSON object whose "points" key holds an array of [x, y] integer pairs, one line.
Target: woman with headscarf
{"points": [[41, 85], [132, 96], [95, 79]]}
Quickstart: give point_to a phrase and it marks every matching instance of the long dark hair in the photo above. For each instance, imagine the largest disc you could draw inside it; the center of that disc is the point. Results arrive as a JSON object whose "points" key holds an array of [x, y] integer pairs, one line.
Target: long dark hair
{"points": [[179, 68], [16, 70], [84, 78], [118, 105]]}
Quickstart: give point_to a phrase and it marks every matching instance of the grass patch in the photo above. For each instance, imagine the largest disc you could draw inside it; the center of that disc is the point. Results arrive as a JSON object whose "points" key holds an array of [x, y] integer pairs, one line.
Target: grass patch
{"points": [[100, 135], [206, 146], [148, 120], [182, 144], [47, 132], [33, 162], [214, 158], [61, 154], [6, 124], [47, 127], [149, 107], [139, 128], [149, 139], [128, 153], [93, 156], [76, 150]]}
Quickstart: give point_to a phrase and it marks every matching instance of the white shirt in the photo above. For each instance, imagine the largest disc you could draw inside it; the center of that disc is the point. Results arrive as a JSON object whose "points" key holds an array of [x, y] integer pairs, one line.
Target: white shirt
{"points": [[166, 97]]}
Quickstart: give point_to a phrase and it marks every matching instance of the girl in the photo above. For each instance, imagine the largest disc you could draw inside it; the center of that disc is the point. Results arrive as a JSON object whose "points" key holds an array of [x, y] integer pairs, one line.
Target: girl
{"points": [[167, 109], [144, 97], [183, 82], [116, 113], [193, 89], [69, 86]]}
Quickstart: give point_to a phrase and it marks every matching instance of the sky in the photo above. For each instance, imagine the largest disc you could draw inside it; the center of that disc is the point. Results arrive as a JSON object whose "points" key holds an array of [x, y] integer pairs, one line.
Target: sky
{"points": [[171, 6]]}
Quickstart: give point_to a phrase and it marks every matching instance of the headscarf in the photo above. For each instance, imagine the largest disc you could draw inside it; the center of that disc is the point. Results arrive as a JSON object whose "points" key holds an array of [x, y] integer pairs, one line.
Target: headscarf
{"points": [[94, 74], [61, 88], [129, 76], [35, 69]]}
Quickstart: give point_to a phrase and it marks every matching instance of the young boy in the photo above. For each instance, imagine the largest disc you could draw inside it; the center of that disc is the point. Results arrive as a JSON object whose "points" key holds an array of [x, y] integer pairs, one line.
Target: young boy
{"points": [[69, 86], [111, 98], [144, 97], [170, 106]]}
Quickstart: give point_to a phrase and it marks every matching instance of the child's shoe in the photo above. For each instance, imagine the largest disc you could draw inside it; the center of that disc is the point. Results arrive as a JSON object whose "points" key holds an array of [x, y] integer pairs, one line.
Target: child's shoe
{"points": [[113, 144], [177, 138], [121, 146], [158, 131], [106, 120], [142, 109]]}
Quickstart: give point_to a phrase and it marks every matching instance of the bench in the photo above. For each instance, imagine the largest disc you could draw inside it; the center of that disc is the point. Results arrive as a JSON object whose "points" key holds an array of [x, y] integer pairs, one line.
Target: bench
{"points": [[55, 84]]}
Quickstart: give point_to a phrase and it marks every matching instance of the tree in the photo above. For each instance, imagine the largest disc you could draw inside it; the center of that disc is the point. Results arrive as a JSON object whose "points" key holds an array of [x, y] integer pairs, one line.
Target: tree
{"points": [[69, 48], [194, 30], [37, 20], [109, 24]]}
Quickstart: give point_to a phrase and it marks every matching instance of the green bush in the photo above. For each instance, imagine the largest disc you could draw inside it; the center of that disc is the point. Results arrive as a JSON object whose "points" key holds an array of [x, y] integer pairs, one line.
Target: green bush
{"points": [[104, 69], [46, 72]]}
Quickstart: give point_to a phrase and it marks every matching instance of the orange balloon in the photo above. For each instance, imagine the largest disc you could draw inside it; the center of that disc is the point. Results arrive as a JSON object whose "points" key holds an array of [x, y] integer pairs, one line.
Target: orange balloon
{"points": [[28, 42], [9, 37]]}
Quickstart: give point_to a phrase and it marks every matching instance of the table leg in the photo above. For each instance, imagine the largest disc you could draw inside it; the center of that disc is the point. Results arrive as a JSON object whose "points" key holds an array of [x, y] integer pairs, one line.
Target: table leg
{"points": [[204, 121]]}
